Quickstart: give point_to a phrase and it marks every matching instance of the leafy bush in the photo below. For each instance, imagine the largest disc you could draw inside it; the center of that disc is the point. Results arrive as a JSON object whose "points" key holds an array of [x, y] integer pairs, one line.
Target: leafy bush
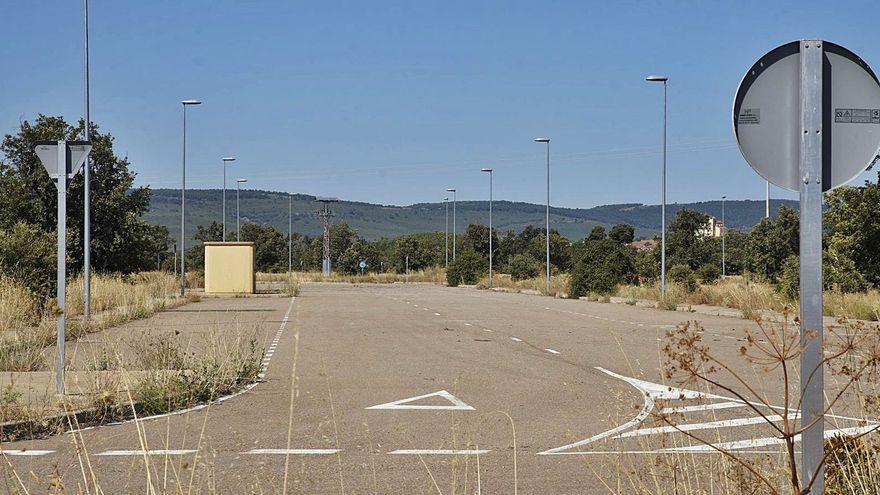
{"points": [[523, 266], [790, 281], [466, 268], [684, 276], [709, 273], [603, 265], [27, 255]]}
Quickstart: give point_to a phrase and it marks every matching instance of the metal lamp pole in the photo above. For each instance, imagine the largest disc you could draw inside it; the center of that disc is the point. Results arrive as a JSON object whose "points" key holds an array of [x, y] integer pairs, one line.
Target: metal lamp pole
{"points": [[238, 183], [489, 171], [664, 80], [289, 236], [226, 159], [446, 235], [185, 104], [453, 221], [723, 232], [547, 140], [87, 187]]}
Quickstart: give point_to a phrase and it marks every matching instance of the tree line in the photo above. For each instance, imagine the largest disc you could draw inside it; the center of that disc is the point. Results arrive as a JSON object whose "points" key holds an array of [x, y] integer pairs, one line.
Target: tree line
{"points": [[122, 242]]}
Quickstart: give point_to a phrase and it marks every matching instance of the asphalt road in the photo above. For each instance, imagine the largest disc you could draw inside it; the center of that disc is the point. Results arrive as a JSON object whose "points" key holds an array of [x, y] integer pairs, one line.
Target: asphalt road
{"points": [[519, 394]]}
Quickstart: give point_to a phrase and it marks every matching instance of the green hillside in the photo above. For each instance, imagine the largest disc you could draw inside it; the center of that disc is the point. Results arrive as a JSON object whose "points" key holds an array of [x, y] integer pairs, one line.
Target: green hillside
{"points": [[374, 221]]}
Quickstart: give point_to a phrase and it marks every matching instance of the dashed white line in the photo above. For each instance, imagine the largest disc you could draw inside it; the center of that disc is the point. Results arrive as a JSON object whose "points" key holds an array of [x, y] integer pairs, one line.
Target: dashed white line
{"points": [[515, 339], [18, 452], [552, 351], [293, 451], [439, 452], [487, 330], [147, 452], [436, 314]]}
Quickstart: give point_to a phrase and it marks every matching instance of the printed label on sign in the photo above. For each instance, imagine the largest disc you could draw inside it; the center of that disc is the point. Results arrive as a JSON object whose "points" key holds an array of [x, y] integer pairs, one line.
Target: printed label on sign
{"points": [[750, 116], [857, 116]]}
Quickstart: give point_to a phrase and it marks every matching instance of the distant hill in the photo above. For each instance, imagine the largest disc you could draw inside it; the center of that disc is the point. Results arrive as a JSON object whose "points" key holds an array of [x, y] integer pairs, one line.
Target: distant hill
{"points": [[374, 221]]}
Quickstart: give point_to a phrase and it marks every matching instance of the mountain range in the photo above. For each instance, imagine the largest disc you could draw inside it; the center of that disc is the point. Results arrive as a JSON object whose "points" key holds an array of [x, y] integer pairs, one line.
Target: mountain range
{"points": [[373, 221]]}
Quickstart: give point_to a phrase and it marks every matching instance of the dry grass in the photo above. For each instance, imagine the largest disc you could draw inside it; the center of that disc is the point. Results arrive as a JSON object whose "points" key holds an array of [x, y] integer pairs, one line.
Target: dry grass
{"points": [[430, 275], [18, 305], [754, 298], [558, 284]]}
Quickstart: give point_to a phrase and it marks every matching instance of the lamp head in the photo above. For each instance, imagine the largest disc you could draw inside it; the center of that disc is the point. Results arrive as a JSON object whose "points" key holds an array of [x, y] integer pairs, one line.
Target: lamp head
{"points": [[542, 140], [228, 158], [486, 170], [191, 102], [450, 190], [662, 79]]}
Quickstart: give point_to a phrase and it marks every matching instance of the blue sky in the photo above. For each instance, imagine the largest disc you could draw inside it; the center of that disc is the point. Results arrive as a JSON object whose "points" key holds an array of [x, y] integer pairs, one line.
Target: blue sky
{"points": [[393, 102]]}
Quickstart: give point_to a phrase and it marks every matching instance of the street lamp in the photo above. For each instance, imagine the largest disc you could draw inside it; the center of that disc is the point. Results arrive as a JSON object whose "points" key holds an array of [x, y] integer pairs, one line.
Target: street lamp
{"points": [[723, 231], [226, 160], [87, 182], [547, 140], [185, 104], [289, 237], [238, 184], [489, 171], [446, 236], [453, 221], [662, 79]]}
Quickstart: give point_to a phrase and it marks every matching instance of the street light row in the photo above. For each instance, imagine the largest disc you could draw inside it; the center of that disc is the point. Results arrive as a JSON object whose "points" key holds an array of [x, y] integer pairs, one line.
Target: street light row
{"points": [[546, 140], [238, 182]]}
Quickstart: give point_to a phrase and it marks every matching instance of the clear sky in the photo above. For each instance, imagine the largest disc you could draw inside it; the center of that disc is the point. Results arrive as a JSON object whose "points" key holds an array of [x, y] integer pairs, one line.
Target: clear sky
{"points": [[393, 102]]}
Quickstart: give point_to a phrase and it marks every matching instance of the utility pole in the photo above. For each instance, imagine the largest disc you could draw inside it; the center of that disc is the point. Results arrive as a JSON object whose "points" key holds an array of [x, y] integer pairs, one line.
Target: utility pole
{"points": [[326, 215]]}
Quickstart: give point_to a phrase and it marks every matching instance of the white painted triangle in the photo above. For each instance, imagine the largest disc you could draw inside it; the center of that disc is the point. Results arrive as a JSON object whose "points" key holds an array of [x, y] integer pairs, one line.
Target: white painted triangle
{"points": [[456, 404]]}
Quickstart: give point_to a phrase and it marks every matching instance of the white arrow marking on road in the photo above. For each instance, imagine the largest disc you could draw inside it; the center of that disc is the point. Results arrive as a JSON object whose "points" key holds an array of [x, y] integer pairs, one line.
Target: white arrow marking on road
{"points": [[763, 442], [457, 404], [438, 452], [293, 451], [702, 407]]}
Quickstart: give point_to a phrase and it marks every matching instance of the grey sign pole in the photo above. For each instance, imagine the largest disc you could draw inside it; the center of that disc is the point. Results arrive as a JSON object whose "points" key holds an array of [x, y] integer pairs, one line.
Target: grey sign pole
{"points": [[807, 118], [62, 160], [812, 379], [61, 287]]}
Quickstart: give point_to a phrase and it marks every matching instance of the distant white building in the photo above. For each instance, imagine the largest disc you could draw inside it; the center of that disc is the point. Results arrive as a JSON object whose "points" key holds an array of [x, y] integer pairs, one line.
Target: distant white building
{"points": [[712, 228]]}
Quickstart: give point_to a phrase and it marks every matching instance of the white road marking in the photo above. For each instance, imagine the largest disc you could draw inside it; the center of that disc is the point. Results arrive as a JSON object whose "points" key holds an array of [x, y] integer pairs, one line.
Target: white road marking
{"points": [[763, 442], [457, 404], [711, 425], [515, 339], [439, 452], [436, 314], [293, 451], [486, 330], [702, 407], [468, 325], [147, 452], [552, 351], [18, 452]]}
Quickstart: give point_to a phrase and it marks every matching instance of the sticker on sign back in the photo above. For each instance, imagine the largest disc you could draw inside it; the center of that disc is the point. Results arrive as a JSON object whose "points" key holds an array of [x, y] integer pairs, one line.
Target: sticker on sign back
{"points": [[857, 116], [749, 116]]}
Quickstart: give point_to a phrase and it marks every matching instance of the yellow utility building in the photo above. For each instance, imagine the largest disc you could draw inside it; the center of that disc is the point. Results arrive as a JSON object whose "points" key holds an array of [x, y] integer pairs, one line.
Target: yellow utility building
{"points": [[229, 268]]}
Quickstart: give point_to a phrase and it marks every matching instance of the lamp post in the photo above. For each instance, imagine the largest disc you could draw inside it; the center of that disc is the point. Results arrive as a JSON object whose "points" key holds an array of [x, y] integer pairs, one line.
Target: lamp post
{"points": [[662, 79], [767, 199], [446, 234], [87, 183], [547, 140], [453, 221], [238, 184], [289, 237], [226, 159], [185, 104], [723, 232], [489, 171]]}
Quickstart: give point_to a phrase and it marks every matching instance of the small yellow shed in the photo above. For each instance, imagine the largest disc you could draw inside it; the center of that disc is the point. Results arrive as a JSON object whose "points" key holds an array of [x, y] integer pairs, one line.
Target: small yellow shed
{"points": [[229, 267]]}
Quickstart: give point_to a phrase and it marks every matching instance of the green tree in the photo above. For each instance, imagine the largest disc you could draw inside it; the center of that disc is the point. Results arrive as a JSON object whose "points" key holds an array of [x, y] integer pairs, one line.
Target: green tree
{"points": [[622, 233], [597, 234], [771, 242], [121, 241], [684, 246], [28, 255], [853, 223], [523, 266], [467, 268], [270, 246], [601, 266]]}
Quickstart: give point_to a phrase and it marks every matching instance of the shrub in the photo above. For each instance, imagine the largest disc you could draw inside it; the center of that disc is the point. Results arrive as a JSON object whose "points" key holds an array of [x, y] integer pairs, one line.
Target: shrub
{"points": [[709, 273], [683, 275], [588, 278], [790, 281], [466, 268], [28, 256], [523, 266]]}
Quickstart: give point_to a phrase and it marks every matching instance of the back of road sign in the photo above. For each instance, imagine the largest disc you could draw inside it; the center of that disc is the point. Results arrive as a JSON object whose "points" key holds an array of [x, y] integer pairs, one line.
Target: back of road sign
{"points": [[766, 116]]}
